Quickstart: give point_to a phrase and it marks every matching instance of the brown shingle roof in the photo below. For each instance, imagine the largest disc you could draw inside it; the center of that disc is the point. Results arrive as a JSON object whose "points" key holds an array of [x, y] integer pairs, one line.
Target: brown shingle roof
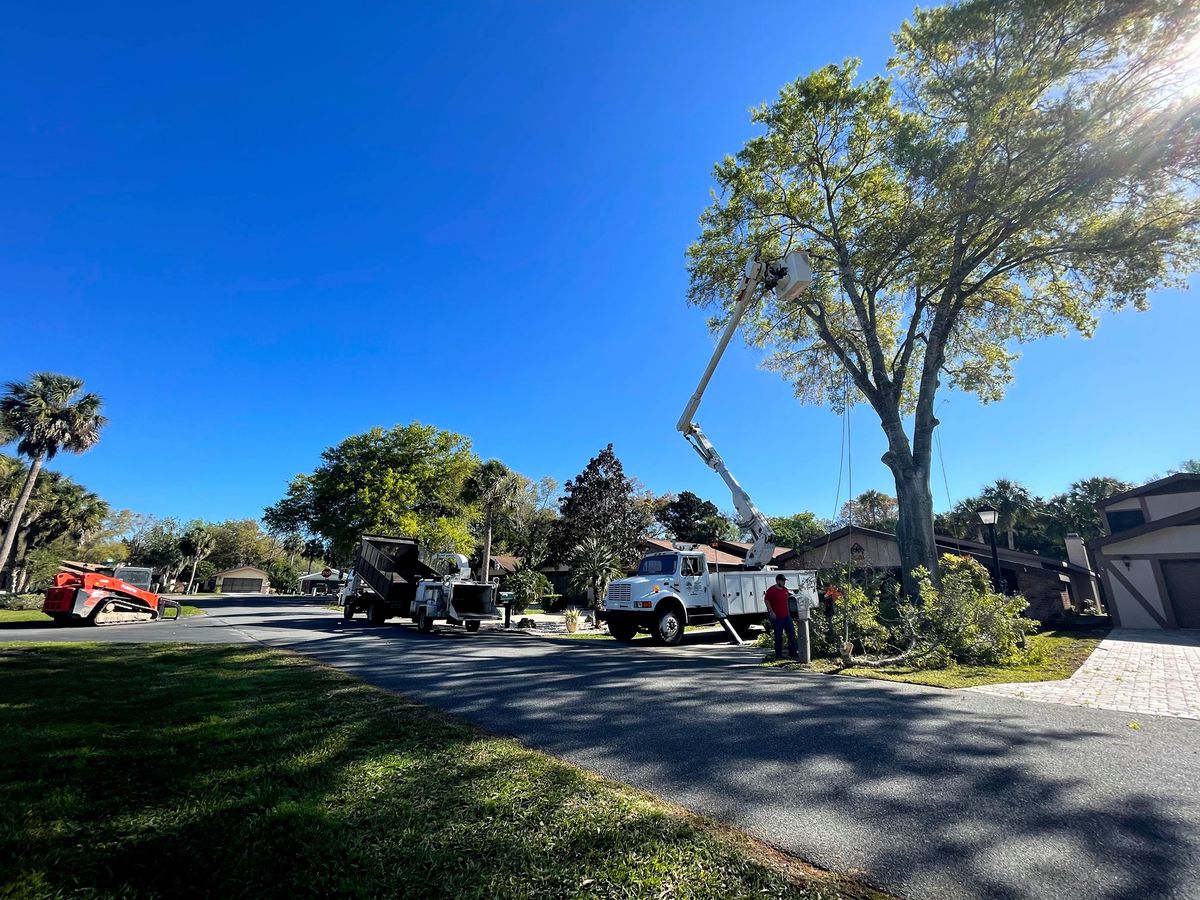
{"points": [[711, 554]]}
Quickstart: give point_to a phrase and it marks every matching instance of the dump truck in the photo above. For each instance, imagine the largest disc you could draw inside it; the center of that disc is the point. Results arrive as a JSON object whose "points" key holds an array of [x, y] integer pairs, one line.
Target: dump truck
{"points": [[673, 589], [96, 598], [390, 581]]}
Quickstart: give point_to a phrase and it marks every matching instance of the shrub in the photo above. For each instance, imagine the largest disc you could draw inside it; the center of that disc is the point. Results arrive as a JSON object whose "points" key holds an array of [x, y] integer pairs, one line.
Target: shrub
{"points": [[527, 586], [966, 621]]}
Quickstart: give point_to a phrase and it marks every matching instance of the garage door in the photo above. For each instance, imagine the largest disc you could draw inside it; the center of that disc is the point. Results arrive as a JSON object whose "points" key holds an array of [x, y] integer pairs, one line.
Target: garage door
{"points": [[241, 585], [1183, 588]]}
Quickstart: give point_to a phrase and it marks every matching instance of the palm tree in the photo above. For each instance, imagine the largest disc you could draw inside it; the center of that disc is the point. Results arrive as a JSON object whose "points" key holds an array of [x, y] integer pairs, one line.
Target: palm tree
{"points": [[495, 488], [593, 565], [46, 417], [314, 548], [197, 543], [1013, 504]]}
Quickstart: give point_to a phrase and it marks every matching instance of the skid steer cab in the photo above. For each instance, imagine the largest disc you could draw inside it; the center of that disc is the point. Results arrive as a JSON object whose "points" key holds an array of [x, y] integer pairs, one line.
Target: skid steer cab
{"points": [[93, 598]]}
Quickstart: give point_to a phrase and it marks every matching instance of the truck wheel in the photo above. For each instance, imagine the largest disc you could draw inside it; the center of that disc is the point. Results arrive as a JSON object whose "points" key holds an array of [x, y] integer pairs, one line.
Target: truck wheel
{"points": [[377, 614], [348, 611], [622, 631], [424, 623], [472, 625], [668, 630]]}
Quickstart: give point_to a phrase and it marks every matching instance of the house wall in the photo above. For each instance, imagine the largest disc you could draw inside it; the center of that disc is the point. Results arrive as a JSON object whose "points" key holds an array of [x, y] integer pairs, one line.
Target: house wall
{"points": [[878, 553], [1047, 591], [1163, 505], [1133, 593], [1133, 579]]}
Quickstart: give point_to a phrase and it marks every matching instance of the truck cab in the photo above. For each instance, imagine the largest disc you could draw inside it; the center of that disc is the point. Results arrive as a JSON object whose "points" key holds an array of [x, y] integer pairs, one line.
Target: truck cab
{"points": [[670, 590]]}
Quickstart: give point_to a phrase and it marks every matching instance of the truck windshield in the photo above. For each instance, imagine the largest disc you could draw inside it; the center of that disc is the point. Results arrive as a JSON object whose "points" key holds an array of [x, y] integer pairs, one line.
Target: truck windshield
{"points": [[657, 565]]}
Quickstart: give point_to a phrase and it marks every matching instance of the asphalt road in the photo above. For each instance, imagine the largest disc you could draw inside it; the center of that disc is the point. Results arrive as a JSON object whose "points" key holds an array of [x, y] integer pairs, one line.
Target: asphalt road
{"points": [[920, 791]]}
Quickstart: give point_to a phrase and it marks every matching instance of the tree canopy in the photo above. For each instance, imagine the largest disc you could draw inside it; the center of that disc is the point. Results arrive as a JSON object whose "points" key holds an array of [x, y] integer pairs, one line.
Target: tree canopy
{"points": [[406, 480], [600, 505], [689, 518], [1027, 165]]}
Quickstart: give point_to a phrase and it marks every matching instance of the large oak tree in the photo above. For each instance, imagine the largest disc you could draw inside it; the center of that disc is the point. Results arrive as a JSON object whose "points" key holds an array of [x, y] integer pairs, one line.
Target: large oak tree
{"points": [[1028, 165]]}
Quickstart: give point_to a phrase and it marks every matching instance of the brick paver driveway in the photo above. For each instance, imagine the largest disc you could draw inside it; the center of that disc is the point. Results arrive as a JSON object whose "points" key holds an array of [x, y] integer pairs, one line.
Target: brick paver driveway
{"points": [[1149, 672]]}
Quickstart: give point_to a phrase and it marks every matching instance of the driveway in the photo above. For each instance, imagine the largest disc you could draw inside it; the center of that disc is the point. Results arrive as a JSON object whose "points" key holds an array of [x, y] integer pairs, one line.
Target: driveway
{"points": [[1153, 673], [920, 791]]}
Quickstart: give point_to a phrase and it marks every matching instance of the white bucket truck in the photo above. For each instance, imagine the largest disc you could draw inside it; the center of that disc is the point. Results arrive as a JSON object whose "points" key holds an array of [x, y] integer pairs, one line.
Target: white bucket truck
{"points": [[674, 589]]}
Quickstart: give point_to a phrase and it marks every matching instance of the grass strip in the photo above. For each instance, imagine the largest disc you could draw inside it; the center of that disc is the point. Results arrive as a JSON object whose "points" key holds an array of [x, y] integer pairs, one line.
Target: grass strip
{"points": [[169, 770], [1050, 656]]}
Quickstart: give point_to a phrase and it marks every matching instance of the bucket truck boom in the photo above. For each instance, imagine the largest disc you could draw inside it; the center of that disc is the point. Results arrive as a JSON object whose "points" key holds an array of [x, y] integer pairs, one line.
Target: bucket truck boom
{"points": [[791, 276]]}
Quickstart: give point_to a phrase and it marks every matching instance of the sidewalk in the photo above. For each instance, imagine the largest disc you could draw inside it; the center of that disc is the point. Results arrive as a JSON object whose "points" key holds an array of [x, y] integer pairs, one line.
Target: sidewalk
{"points": [[1149, 672]]}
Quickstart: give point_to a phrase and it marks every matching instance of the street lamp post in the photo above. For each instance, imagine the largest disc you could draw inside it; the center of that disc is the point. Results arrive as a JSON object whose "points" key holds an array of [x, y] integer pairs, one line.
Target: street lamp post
{"points": [[988, 516]]}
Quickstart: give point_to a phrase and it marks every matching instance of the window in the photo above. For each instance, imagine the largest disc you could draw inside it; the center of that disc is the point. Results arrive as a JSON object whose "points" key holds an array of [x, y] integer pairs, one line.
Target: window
{"points": [[658, 565], [1123, 520], [690, 565]]}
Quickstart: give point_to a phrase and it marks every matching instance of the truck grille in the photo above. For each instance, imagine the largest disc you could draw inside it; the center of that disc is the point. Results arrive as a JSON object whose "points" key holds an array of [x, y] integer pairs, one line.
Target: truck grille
{"points": [[617, 592]]}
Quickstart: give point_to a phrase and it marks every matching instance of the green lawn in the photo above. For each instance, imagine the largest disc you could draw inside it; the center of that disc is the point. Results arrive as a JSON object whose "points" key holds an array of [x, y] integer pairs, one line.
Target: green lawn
{"points": [[255, 772], [26, 616], [1051, 656]]}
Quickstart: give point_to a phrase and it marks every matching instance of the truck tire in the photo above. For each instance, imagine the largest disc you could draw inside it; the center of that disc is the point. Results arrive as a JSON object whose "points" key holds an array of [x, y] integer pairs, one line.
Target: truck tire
{"points": [[668, 628], [377, 614], [424, 623], [348, 611], [472, 625], [621, 630]]}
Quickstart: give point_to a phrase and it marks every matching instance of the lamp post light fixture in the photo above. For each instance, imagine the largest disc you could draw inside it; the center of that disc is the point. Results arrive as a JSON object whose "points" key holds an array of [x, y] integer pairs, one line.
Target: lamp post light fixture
{"points": [[988, 515]]}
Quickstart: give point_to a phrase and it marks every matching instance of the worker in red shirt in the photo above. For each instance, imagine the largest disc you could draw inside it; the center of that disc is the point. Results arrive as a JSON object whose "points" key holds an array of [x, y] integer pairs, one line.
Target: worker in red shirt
{"points": [[780, 615]]}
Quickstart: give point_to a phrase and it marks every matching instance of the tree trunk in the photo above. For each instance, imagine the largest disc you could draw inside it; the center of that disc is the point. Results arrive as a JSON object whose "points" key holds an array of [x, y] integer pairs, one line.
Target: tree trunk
{"points": [[914, 531], [487, 548], [192, 577], [1011, 533], [18, 511]]}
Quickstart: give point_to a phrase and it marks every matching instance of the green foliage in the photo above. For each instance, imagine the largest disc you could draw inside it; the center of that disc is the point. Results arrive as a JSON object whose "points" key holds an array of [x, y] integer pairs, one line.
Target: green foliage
{"points": [[798, 529], [870, 509], [600, 506], [528, 523], [966, 621], [688, 518], [45, 415], [408, 480], [284, 575], [528, 585], [1022, 168], [593, 565]]}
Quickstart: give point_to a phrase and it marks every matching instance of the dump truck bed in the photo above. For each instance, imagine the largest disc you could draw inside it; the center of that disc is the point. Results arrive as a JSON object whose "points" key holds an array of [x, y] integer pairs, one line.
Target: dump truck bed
{"points": [[391, 567]]}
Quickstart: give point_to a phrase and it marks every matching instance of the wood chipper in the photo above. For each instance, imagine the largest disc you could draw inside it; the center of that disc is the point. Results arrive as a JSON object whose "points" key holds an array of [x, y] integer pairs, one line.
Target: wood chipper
{"points": [[99, 599]]}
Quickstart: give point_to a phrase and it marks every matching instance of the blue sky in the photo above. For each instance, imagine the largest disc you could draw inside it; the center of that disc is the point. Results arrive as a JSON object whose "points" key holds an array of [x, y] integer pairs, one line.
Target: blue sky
{"points": [[257, 231]]}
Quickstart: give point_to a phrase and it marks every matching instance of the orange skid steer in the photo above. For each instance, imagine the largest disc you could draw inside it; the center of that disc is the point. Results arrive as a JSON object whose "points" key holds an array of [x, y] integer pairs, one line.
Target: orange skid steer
{"points": [[99, 599]]}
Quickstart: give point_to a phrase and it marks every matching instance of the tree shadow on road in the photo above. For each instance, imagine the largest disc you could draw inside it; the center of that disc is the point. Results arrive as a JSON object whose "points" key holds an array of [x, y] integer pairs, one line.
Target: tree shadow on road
{"points": [[929, 790]]}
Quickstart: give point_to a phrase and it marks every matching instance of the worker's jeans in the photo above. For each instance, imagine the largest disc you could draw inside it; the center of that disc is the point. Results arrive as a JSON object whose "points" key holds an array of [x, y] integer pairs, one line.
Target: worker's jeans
{"points": [[781, 625]]}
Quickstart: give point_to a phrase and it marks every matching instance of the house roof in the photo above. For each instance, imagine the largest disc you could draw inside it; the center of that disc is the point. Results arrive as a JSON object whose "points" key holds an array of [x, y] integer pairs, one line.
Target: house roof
{"points": [[946, 542], [711, 554], [1179, 483], [1187, 517], [505, 562], [742, 548], [314, 576]]}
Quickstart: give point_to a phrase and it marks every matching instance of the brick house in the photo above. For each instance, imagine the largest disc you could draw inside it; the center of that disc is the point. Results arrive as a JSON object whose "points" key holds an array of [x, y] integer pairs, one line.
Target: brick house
{"points": [[1052, 587]]}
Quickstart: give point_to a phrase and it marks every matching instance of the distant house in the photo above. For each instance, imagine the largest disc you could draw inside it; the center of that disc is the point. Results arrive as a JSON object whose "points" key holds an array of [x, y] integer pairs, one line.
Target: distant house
{"points": [[1052, 587], [320, 583], [241, 580], [1149, 561], [502, 565]]}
